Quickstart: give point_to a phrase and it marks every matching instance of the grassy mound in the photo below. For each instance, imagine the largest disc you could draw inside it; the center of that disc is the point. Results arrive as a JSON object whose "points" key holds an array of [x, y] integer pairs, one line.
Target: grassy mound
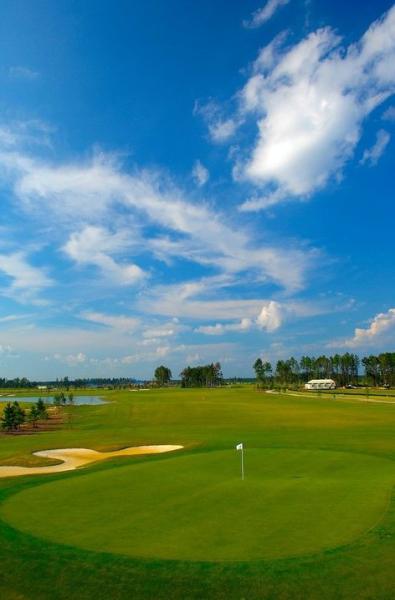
{"points": [[195, 506]]}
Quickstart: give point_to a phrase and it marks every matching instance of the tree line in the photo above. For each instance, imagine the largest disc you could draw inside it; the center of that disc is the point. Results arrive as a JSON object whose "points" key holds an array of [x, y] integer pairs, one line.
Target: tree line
{"points": [[343, 368], [202, 376], [66, 383]]}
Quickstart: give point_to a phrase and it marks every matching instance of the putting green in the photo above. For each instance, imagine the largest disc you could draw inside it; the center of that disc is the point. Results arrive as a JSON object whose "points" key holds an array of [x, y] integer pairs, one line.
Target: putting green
{"points": [[195, 507]]}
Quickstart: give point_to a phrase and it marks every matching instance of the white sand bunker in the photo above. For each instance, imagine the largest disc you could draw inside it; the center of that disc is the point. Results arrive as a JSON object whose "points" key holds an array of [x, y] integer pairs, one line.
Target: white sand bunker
{"points": [[72, 458]]}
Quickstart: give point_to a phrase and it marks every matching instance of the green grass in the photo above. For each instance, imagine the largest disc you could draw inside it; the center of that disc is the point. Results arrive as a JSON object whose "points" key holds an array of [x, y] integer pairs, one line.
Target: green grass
{"points": [[313, 519], [196, 507]]}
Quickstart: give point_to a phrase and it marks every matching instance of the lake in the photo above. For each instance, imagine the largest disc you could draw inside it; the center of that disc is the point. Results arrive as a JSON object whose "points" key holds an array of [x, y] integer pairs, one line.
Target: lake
{"points": [[78, 400]]}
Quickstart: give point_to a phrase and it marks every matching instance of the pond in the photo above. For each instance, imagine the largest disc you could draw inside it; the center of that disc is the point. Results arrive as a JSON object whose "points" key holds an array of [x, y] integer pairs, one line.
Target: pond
{"points": [[78, 400]]}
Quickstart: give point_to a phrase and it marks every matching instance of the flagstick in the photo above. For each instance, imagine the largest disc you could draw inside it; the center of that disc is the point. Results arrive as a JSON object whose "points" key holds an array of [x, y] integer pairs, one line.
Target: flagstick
{"points": [[242, 464]]}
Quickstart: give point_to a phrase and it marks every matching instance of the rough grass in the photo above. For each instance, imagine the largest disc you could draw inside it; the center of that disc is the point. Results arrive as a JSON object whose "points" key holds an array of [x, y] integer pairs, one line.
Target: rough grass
{"points": [[208, 422]]}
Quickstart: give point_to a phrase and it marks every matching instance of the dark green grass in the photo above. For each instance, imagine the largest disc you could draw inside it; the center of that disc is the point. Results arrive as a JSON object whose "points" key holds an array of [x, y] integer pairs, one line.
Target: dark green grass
{"points": [[207, 422]]}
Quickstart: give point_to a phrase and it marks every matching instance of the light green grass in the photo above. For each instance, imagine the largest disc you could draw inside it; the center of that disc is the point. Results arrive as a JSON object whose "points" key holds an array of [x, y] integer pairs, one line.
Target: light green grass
{"points": [[332, 516]]}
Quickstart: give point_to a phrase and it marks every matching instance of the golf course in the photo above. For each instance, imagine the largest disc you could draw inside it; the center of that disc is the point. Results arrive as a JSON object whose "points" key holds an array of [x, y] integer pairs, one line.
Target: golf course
{"points": [[313, 517]]}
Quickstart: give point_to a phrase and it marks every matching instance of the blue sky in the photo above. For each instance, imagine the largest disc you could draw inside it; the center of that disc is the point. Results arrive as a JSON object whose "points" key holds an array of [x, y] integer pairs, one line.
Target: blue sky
{"points": [[185, 182]]}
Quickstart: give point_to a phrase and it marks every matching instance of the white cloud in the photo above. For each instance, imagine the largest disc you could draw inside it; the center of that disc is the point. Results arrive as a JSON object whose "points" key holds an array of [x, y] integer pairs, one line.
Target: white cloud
{"points": [[264, 14], [26, 280], [220, 127], [221, 131], [200, 173], [193, 301], [12, 318], [71, 359], [220, 328], [310, 102], [119, 322], [380, 325], [158, 353], [100, 192], [373, 154], [271, 316], [164, 330], [94, 246], [19, 134]]}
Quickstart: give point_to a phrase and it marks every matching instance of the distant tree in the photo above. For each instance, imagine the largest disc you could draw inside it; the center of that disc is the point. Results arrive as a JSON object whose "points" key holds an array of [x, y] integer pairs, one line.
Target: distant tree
{"points": [[34, 415], [59, 399], [262, 370], [13, 416], [42, 409], [20, 415], [70, 398], [8, 417], [306, 367], [202, 376], [162, 375], [372, 368]]}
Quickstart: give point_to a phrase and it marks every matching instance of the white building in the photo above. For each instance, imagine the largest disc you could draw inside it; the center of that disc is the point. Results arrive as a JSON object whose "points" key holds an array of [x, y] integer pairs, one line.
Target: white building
{"points": [[320, 384]]}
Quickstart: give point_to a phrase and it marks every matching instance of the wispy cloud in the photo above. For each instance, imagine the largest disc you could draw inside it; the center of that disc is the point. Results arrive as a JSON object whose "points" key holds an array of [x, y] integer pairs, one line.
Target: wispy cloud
{"points": [[100, 191], [389, 114], [20, 72], [200, 173], [121, 323], [71, 360], [26, 280], [221, 127], [95, 246], [373, 154], [264, 14], [222, 328]]}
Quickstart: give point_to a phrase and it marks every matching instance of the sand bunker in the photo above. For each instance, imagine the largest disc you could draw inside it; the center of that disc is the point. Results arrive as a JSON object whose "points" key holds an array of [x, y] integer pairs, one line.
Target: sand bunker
{"points": [[72, 458]]}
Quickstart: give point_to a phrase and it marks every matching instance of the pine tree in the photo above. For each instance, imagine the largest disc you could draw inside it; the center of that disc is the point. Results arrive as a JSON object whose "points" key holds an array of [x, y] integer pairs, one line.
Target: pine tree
{"points": [[8, 418]]}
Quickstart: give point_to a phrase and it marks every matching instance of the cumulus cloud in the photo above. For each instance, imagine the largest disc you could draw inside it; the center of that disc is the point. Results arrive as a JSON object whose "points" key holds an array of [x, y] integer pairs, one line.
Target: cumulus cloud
{"points": [[200, 173], [373, 154], [271, 316], [94, 246], [264, 14], [380, 325], [310, 101]]}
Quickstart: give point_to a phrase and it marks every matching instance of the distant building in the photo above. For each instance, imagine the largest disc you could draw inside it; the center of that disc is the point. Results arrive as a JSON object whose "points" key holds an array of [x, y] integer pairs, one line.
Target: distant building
{"points": [[42, 387], [320, 384]]}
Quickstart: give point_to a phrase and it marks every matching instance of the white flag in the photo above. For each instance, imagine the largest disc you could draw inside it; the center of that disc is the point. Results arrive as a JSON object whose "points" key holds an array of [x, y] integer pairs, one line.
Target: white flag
{"points": [[239, 447]]}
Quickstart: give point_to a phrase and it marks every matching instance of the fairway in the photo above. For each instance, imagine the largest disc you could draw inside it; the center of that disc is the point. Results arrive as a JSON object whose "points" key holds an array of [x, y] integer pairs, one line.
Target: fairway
{"points": [[195, 507]]}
